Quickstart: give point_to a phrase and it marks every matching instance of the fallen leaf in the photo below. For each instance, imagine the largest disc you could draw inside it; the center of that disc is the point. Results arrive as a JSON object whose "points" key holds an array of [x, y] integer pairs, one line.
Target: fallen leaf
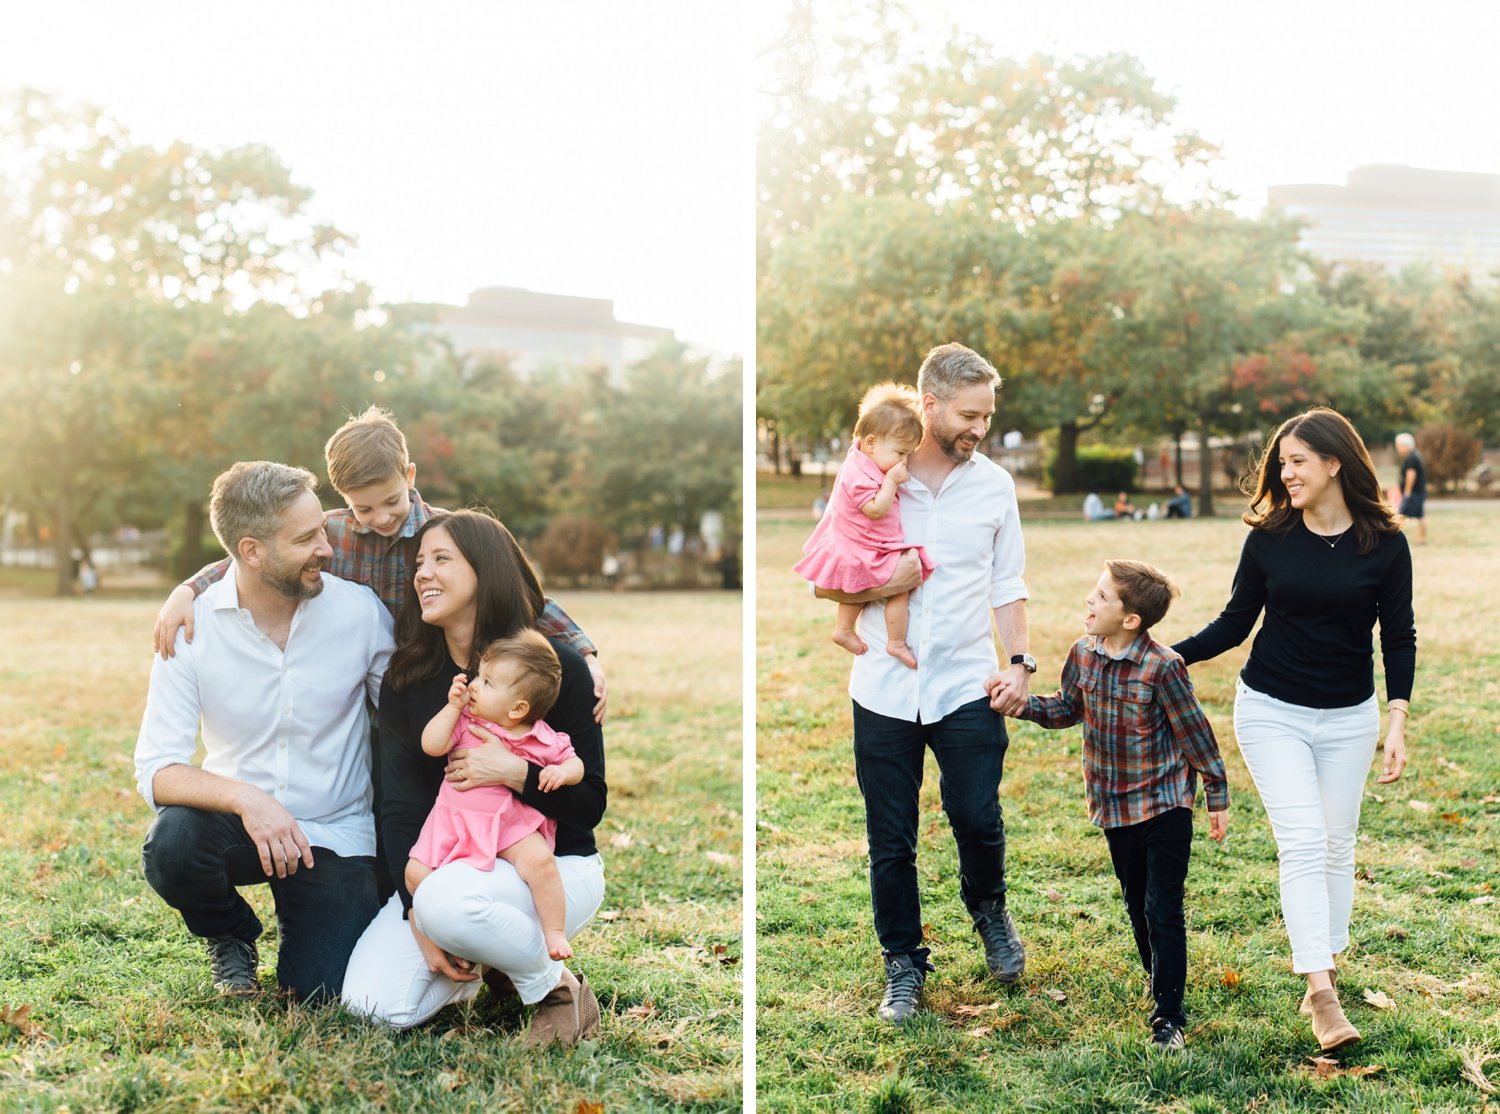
{"points": [[1490, 799], [449, 1080], [1230, 977], [1053, 895], [586, 1107], [975, 1011], [1420, 806], [1439, 874], [621, 840], [1376, 797], [720, 857], [1396, 932], [1468, 864], [1325, 1067], [1057, 995], [1378, 999], [982, 1031], [1473, 1060], [1452, 817], [608, 915], [647, 1010], [1487, 899], [19, 1020]]}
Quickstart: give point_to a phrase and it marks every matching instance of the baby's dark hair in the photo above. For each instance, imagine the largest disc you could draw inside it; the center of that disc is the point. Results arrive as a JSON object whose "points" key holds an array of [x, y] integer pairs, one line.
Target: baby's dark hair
{"points": [[890, 410], [539, 673], [1144, 590]]}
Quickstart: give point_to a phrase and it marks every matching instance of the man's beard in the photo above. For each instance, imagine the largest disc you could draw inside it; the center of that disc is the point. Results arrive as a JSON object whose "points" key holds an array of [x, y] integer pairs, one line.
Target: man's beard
{"points": [[959, 454], [287, 578]]}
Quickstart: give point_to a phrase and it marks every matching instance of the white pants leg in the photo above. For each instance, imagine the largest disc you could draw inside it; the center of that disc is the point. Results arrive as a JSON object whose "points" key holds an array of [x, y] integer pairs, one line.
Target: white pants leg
{"points": [[1309, 766], [485, 916]]}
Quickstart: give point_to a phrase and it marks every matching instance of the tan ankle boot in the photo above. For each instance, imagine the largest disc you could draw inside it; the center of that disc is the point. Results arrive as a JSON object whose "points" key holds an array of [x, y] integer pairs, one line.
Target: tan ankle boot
{"points": [[1306, 1006], [1329, 1025]]}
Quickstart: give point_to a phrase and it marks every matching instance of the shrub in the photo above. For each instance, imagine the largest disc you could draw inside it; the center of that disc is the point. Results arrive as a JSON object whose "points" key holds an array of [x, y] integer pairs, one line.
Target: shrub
{"points": [[1101, 468], [572, 548], [1448, 453]]}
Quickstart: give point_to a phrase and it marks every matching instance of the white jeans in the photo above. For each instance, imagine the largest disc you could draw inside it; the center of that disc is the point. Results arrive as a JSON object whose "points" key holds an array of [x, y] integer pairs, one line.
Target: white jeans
{"points": [[483, 915], [1310, 765]]}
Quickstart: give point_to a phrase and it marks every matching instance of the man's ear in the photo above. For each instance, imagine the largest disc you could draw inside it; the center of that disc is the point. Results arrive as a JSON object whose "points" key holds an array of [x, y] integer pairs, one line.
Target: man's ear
{"points": [[1132, 622], [252, 551]]}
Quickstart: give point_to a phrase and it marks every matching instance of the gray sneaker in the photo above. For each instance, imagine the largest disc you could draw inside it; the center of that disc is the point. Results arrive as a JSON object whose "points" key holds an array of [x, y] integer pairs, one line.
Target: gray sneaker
{"points": [[903, 987], [234, 962], [1004, 954]]}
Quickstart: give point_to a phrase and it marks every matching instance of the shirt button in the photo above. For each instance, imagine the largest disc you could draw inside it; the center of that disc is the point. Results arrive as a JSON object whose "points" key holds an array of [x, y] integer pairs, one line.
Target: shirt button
{"points": [[281, 785], [283, 744]]}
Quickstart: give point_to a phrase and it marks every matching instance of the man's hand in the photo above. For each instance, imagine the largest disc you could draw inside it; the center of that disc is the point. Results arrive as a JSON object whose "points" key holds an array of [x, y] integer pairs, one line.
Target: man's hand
{"points": [[458, 692], [908, 575], [278, 838], [601, 688], [1008, 690], [176, 613], [440, 962], [1218, 825]]}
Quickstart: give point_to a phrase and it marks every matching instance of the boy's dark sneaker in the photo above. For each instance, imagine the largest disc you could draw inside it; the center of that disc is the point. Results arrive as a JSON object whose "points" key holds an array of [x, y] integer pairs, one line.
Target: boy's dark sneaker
{"points": [[233, 962], [1167, 1035], [1004, 954], [904, 978]]}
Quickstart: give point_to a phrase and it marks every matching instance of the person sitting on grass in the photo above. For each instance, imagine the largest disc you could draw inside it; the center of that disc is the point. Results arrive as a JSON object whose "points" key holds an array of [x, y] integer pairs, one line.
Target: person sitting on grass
{"points": [[1145, 741], [519, 679], [858, 541]]}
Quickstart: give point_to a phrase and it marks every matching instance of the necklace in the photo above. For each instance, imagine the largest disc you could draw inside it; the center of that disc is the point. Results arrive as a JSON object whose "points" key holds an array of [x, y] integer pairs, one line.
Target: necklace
{"points": [[1336, 538]]}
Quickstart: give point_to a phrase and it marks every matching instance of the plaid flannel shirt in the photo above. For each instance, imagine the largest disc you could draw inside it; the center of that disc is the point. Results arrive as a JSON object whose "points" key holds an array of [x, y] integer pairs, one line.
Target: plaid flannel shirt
{"points": [[384, 565], [1145, 736]]}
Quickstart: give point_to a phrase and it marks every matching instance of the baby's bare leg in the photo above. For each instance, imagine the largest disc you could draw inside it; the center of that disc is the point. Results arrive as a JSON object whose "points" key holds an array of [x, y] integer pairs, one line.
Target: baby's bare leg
{"points": [[897, 611], [533, 861], [843, 628], [416, 872]]}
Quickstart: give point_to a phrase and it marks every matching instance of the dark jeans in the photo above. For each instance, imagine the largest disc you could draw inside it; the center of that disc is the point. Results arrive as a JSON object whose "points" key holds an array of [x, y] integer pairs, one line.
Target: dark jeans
{"points": [[1151, 862], [195, 859], [969, 744]]}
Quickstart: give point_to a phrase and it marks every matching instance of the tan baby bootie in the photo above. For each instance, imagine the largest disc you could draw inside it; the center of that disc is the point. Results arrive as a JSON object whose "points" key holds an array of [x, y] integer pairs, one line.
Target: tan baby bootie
{"points": [[1329, 1025]]}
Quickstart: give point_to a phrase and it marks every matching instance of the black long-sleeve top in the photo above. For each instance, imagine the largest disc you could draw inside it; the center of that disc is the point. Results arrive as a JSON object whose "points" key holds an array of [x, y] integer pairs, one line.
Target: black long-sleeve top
{"points": [[409, 777], [1321, 603]]}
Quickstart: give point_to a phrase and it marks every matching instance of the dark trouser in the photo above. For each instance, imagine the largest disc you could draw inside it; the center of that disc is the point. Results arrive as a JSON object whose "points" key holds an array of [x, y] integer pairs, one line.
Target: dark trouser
{"points": [[1151, 862], [195, 859], [969, 744]]}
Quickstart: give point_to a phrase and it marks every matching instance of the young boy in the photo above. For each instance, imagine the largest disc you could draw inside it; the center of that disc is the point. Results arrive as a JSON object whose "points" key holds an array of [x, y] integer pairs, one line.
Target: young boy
{"points": [[372, 539], [1145, 741]]}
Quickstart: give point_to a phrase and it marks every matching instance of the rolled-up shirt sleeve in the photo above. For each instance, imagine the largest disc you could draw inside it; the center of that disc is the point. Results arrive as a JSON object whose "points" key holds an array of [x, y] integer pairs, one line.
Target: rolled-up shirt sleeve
{"points": [[1008, 568], [169, 727]]}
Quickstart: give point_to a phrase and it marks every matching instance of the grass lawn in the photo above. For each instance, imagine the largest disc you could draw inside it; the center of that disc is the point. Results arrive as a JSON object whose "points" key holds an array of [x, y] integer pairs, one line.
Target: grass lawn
{"points": [[105, 995], [1072, 1035]]}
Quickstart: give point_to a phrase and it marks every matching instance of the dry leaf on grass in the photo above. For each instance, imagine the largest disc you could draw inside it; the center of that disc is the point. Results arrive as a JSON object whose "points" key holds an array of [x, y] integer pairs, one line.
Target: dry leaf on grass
{"points": [[621, 841], [1326, 1067], [1230, 977], [1057, 995], [1473, 1060], [642, 1011], [720, 857], [1053, 895], [608, 915], [982, 1031], [586, 1107], [1420, 806], [1379, 1000], [19, 1019], [975, 1011], [1452, 817], [1487, 899]]}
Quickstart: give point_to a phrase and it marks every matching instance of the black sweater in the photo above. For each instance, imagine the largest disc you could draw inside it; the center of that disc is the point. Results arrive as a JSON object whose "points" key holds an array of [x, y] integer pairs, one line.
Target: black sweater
{"points": [[1315, 647], [409, 777]]}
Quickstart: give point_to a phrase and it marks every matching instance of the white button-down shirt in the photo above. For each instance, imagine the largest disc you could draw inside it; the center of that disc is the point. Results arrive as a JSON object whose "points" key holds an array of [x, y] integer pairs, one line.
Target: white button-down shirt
{"points": [[291, 722], [972, 531]]}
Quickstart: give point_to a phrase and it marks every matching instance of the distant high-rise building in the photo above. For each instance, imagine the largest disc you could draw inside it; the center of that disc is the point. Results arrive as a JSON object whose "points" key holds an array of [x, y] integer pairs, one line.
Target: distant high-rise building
{"points": [[535, 330], [1400, 215]]}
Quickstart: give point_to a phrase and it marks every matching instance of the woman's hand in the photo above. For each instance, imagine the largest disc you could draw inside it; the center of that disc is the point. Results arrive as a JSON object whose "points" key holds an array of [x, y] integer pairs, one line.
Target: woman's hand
{"points": [[491, 763], [440, 962], [1395, 750]]}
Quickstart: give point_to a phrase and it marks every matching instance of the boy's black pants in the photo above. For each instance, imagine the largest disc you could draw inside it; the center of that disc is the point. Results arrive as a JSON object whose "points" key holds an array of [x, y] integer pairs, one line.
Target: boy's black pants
{"points": [[1151, 862]]}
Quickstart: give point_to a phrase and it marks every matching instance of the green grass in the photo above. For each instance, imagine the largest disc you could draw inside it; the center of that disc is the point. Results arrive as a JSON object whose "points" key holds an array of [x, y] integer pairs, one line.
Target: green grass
{"points": [[121, 1016], [1072, 1036]]}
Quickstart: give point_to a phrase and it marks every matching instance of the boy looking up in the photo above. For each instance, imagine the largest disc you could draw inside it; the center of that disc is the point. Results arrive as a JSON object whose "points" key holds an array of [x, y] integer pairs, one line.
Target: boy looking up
{"points": [[1145, 741], [371, 539]]}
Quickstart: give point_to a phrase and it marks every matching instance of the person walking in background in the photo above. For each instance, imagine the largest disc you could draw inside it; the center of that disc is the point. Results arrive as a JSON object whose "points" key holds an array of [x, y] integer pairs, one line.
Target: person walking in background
{"points": [[855, 547], [962, 507], [1325, 560], [1413, 484], [88, 577]]}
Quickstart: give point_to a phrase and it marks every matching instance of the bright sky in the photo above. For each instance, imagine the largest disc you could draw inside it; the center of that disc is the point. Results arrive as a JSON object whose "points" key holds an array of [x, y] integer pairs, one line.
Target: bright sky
{"points": [[590, 148], [1292, 90]]}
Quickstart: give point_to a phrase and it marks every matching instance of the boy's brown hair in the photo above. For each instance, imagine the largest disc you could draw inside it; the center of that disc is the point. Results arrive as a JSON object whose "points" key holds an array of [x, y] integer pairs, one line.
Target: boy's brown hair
{"points": [[1144, 590], [365, 450], [538, 672], [890, 410]]}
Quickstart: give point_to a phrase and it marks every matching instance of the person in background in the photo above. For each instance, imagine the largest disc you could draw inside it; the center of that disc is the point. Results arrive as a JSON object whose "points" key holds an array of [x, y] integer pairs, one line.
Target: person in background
{"points": [[1413, 484]]}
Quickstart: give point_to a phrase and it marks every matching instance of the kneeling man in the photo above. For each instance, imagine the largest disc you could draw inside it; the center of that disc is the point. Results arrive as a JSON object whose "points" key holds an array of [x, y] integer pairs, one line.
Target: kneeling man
{"points": [[277, 674]]}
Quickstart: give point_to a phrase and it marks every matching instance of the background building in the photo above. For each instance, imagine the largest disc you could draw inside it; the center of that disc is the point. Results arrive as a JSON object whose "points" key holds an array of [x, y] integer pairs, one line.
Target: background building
{"points": [[536, 330], [1400, 215]]}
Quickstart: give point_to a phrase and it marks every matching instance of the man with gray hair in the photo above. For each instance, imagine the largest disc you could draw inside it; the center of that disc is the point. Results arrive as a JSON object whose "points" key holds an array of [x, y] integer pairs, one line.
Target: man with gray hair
{"points": [[1413, 483], [277, 676], [961, 506]]}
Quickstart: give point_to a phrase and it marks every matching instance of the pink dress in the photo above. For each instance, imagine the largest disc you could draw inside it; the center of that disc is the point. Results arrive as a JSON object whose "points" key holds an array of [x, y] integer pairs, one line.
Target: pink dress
{"points": [[849, 551], [476, 825]]}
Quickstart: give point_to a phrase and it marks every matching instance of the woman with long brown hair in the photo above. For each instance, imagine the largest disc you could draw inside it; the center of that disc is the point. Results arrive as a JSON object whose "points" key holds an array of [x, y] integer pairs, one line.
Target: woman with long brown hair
{"points": [[471, 586], [1325, 561]]}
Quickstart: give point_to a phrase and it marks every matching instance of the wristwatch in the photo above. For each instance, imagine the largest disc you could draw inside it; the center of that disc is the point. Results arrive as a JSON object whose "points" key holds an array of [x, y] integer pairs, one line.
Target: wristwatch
{"points": [[1024, 659]]}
